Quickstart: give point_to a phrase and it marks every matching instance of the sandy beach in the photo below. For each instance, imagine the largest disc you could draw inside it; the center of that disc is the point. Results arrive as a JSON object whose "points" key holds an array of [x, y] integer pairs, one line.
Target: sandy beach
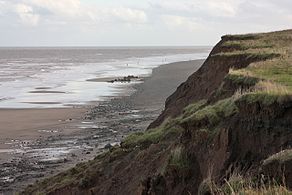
{"points": [[38, 142]]}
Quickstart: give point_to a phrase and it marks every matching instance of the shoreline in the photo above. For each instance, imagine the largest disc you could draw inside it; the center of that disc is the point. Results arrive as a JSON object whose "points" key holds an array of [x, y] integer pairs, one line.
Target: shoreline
{"points": [[71, 77], [91, 129]]}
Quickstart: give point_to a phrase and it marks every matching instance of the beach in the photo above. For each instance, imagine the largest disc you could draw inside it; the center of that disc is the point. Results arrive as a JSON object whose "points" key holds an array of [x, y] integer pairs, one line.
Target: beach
{"points": [[24, 124], [42, 142]]}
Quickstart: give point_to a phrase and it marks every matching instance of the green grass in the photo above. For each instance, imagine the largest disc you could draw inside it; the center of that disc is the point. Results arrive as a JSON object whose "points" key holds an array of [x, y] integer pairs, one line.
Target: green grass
{"points": [[259, 97], [242, 80], [83, 175], [151, 136], [271, 54], [178, 159], [213, 113], [242, 37], [171, 128], [56, 182], [257, 55], [245, 45], [265, 98], [280, 72], [192, 108]]}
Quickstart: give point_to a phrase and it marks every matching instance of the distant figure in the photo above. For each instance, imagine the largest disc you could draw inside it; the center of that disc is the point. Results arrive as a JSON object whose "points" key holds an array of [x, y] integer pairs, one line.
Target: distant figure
{"points": [[127, 64]]}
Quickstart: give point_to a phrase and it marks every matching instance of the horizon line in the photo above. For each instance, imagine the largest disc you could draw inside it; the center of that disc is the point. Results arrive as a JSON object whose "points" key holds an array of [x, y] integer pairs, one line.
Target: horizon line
{"points": [[103, 46]]}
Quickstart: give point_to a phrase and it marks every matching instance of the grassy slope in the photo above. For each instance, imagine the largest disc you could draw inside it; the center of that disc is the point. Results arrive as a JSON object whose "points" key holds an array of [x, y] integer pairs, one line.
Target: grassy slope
{"points": [[274, 74], [271, 78]]}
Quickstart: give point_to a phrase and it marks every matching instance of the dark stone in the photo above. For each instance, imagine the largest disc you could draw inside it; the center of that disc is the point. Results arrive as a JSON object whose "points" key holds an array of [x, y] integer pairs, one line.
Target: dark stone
{"points": [[108, 146]]}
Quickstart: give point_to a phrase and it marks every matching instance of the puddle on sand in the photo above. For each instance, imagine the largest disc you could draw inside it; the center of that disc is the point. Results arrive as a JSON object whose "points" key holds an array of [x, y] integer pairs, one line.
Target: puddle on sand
{"points": [[11, 151], [87, 122], [6, 179], [13, 141], [48, 131], [50, 154], [89, 125], [136, 115]]}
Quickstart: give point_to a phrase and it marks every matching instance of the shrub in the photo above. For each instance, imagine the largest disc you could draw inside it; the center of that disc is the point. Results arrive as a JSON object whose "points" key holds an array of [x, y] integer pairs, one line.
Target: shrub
{"points": [[237, 184], [178, 158], [192, 108], [148, 137], [214, 113]]}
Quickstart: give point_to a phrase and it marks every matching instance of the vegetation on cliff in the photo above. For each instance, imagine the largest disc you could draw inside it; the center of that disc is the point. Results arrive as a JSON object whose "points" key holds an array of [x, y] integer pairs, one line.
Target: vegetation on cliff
{"points": [[226, 130]]}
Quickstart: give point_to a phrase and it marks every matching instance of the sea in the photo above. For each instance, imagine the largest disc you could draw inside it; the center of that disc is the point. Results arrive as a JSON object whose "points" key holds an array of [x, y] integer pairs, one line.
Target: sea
{"points": [[55, 77]]}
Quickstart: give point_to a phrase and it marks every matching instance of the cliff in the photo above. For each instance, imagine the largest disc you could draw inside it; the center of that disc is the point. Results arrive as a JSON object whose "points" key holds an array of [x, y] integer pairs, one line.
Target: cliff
{"points": [[226, 130]]}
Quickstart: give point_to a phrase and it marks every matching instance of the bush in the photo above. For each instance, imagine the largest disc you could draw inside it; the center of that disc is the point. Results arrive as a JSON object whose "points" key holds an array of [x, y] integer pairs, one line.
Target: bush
{"points": [[151, 136], [213, 113], [178, 158]]}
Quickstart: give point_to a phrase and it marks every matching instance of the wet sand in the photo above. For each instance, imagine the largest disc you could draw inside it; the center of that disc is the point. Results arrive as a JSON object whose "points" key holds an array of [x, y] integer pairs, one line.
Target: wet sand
{"points": [[163, 82], [45, 141], [27, 124]]}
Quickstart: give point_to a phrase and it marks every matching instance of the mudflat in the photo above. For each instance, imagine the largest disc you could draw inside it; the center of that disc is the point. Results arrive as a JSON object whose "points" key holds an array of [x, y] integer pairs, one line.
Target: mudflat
{"points": [[29, 124]]}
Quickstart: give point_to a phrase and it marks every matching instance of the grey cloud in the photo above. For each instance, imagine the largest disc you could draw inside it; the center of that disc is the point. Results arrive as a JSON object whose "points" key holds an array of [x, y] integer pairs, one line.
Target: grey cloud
{"points": [[158, 22]]}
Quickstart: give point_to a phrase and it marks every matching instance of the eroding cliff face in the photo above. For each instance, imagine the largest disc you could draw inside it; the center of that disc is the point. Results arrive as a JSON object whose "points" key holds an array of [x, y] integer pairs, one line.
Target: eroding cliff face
{"points": [[232, 117], [241, 143], [203, 83]]}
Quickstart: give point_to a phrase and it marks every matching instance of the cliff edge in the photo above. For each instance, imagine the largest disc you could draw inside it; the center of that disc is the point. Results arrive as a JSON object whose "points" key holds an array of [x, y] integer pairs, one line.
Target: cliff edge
{"points": [[226, 130]]}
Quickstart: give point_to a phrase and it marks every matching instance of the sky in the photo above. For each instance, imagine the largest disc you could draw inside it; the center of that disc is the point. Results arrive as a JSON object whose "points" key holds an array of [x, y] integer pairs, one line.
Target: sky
{"points": [[136, 22]]}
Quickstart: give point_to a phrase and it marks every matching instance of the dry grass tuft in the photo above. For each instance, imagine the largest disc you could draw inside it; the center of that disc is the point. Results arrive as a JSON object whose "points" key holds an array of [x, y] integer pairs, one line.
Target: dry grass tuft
{"points": [[237, 184], [272, 88]]}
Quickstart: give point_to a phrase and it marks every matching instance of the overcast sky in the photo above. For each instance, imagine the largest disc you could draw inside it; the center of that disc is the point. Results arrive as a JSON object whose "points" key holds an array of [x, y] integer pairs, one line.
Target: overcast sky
{"points": [[136, 22]]}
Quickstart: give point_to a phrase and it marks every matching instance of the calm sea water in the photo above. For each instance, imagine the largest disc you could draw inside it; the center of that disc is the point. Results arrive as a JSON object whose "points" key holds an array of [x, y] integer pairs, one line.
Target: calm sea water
{"points": [[58, 77]]}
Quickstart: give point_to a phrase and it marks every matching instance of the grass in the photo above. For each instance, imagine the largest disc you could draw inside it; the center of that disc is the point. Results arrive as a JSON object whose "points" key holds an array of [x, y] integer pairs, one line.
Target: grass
{"points": [[242, 80], [171, 128], [237, 184], [151, 136], [245, 45], [267, 92], [271, 71], [58, 181], [276, 190], [178, 158], [266, 99], [213, 113], [258, 54], [272, 88], [192, 108], [83, 175], [241, 37], [276, 71], [266, 87]]}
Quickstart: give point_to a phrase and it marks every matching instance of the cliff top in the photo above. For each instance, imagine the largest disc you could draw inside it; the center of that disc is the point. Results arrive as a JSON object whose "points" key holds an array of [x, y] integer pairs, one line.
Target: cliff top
{"points": [[273, 73]]}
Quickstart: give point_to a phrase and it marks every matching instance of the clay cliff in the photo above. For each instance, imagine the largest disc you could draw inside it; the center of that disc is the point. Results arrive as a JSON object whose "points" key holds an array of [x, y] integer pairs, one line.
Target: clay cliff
{"points": [[226, 130]]}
